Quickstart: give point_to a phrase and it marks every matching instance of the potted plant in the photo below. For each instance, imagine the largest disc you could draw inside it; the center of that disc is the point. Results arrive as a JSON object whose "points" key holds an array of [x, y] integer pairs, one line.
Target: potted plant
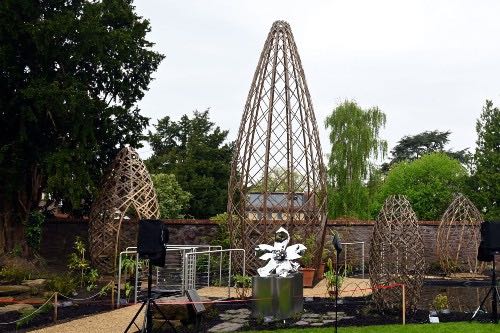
{"points": [[332, 280], [325, 255], [440, 303], [307, 262], [242, 285]]}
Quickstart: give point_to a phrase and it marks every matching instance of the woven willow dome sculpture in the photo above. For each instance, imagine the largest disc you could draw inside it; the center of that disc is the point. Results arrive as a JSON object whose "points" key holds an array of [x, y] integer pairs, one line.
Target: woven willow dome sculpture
{"points": [[458, 236], [396, 254], [278, 175], [127, 186]]}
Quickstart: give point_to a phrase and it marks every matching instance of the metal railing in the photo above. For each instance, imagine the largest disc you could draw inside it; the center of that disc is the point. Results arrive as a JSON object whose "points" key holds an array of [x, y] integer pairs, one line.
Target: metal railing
{"points": [[190, 267], [180, 266]]}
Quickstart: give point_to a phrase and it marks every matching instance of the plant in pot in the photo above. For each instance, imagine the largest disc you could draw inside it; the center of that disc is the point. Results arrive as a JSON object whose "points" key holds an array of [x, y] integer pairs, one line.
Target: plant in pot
{"points": [[440, 303], [325, 255], [307, 262], [332, 280], [242, 285]]}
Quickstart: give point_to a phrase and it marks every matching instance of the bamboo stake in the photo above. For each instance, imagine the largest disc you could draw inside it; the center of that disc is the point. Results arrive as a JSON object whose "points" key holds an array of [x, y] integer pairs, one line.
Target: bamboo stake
{"points": [[112, 294], [55, 307], [404, 306]]}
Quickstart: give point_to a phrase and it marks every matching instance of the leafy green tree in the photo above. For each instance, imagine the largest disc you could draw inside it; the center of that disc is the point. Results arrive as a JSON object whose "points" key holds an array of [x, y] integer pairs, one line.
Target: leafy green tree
{"points": [[485, 180], [171, 198], [412, 147], [71, 73], [429, 183], [194, 150], [277, 181], [354, 136]]}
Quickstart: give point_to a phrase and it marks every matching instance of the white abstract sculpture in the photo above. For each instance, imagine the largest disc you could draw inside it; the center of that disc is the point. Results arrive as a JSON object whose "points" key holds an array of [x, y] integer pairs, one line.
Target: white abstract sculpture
{"points": [[280, 256]]}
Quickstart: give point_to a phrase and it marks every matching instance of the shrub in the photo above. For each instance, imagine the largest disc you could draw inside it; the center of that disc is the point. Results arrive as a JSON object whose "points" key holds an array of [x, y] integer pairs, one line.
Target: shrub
{"points": [[242, 284], [64, 284], [429, 183]]}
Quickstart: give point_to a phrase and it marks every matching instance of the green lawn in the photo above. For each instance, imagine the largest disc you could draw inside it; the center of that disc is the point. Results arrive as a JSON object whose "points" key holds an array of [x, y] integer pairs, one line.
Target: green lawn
{"points": [[459, 327]]}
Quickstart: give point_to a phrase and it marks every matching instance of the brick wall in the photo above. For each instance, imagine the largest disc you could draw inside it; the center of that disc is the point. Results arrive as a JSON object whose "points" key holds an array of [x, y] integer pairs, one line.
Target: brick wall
{"points": [[59, 235]]}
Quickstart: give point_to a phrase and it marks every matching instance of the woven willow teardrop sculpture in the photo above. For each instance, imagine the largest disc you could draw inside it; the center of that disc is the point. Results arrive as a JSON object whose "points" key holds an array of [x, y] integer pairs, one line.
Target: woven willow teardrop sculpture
{"points": [[127, 185], [396, 254], [458, 236], [278, 175]]}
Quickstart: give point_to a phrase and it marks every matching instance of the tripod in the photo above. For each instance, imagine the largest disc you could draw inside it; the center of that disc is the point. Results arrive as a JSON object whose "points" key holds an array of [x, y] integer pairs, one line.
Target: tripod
{"points": [[149, 303], [495, 297]]}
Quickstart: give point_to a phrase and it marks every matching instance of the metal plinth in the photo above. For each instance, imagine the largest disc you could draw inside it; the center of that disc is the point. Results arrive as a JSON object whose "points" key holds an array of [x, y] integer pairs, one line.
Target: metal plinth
{"points": [[278, 297]]}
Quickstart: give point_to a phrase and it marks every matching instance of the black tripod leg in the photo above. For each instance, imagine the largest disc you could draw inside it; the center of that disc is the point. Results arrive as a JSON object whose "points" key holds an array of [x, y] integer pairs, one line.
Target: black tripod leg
{"points": [[132, 322], [166, 320], [482, 303]]}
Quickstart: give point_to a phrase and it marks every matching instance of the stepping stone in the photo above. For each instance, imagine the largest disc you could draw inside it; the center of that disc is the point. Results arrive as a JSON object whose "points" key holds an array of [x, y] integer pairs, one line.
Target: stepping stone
{"points": [[225, 327], [317, 324], [311, 315], [37, 283], [238, 320], [13, 290], [15, 308]]}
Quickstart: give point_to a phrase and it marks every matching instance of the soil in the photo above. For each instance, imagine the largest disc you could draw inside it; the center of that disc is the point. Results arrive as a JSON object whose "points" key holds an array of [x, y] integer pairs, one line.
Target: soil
{"points": [[80, 309]]}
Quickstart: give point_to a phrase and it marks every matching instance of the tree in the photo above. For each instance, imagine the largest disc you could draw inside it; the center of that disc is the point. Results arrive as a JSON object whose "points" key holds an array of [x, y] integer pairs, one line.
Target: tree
{"points": [[354, 136], [429, 183], [485, 180], [71, 73], [172, 199], [194, 150], [412, 147], [277, 181]]}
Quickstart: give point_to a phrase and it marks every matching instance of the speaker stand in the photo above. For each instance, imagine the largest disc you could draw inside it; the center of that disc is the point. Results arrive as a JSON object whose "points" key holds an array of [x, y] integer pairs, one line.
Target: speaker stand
{"points": [[495, 297], [149, 303]]}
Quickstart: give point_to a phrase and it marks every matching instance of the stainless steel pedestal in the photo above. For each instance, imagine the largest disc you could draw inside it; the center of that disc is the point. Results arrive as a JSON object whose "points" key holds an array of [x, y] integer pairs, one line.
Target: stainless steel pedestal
{"points": [[278, 297]]}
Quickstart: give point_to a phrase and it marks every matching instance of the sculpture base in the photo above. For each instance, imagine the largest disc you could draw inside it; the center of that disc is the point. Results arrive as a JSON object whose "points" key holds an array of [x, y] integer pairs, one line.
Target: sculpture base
{"points": [[278, 297]]}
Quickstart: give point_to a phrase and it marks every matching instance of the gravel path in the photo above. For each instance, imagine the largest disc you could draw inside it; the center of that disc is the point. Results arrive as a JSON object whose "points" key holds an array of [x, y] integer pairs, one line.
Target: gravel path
{"points": [[109, 322]]}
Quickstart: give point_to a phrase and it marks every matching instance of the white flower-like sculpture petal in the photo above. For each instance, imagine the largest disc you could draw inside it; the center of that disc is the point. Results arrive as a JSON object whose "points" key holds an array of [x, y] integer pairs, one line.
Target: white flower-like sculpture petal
{"points": [[280, 257]]}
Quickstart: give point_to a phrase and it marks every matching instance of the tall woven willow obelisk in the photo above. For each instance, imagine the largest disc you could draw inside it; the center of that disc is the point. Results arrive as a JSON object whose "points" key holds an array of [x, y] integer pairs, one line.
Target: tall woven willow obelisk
{"points": [[277, 176], [127, 188]]}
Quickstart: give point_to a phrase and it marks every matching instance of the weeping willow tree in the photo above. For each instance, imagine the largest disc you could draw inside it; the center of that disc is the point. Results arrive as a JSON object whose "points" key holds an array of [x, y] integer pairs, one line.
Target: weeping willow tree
{"points": [[354, 137]]}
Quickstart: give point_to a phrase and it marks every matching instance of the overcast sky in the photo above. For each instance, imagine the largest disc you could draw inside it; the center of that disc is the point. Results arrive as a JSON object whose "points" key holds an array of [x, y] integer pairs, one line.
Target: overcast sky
{"points": [[427, 64]]}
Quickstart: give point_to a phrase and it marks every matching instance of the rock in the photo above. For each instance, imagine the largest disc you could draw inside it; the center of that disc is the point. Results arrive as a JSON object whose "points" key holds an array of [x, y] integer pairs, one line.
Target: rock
{"points": [[225, 327], [15, 308], [37, 283], [317, 324], [13, 290], [301, 323], [311, 315], [329, 321], [238, 320]]}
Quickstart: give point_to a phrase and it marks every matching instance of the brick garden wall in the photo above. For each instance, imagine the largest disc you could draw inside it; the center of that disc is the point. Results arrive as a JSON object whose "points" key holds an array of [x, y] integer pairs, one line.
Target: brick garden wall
{"points": [[59, 234]]}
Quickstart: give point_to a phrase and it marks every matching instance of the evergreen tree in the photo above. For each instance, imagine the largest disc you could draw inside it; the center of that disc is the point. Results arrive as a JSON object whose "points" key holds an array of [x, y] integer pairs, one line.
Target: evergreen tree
{"points": [[485, 181], [194, 150], [71, 73]]}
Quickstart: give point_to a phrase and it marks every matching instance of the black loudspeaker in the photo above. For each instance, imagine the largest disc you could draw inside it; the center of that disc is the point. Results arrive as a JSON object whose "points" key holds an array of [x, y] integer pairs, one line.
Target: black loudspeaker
{"points": [[490, 235], [151, 241], [490, 240]]}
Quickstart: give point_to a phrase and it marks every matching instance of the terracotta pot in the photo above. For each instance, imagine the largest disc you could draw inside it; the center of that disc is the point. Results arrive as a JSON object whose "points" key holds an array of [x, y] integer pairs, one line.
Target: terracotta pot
{"points": [[320, 272], [308, 276]]}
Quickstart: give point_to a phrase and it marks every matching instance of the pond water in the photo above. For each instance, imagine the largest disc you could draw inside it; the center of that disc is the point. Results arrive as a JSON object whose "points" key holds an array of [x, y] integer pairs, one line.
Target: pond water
{"points": [[463, 298]]}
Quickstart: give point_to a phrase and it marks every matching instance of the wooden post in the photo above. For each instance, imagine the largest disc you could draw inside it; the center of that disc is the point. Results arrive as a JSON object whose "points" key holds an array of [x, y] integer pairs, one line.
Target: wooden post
{"points": [[55, 307], [404, 305], [113, 294]]}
